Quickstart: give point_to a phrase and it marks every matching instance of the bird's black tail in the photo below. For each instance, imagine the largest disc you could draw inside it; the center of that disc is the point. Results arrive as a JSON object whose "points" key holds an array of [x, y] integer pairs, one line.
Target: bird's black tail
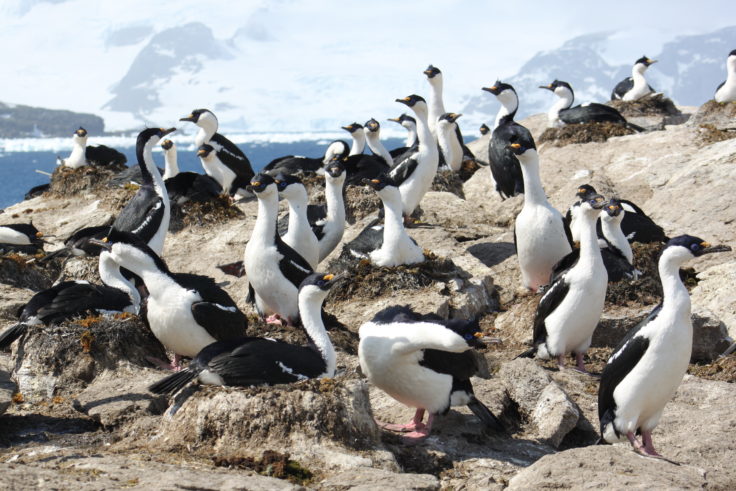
{"points": [[174, 382], [485, 415], [64, 251], [528, 353], [635, 127], [11, 334]]}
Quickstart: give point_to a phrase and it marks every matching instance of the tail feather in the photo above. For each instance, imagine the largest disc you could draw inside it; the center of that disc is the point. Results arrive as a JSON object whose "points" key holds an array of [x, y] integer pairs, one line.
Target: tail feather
{"points": [[11, 334], [485, 415], [528, 353], [174, 382], [635, 127]]}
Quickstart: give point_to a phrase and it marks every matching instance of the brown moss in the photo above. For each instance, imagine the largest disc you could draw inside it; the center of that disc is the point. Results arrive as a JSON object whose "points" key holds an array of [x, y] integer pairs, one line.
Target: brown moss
{"points": [[25, 272], [88, 322], [203, 214], [722, 369], [721, 115], [708, 134], [653, 105], [360, 201], [583, 133], [66, 182], [18, 398], [271, 464], [86, 339], [448, 181]]}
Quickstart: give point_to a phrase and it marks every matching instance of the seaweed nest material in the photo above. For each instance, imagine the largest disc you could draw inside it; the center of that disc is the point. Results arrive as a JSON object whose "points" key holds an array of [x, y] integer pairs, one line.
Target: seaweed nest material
{"points": [[468, 168], [709, 133], [341, 337], [360, 201], [720, 114], [67, 182], [583, 133], [654, 105], [203, 213], [448, 181], [271, 464], [721, 369], [27, 272], [366, 280]]}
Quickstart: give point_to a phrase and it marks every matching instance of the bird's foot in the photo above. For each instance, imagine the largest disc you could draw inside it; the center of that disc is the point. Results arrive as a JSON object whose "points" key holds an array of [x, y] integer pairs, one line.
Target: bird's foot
{"points": [[411, 426], [164, 365], [274, 319], [580, 363], [415, 436]]}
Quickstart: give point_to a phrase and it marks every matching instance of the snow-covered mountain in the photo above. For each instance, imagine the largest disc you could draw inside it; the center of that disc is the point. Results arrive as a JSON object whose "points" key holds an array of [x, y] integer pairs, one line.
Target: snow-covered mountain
{"points": [[688, 71]]}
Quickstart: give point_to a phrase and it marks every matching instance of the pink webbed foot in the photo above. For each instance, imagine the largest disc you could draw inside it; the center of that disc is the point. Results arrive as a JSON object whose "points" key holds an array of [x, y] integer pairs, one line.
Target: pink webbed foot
{"points": [[420, 434], [561, 361], [634, 442], [414, 425], [165, 364], [648, 447], [274, 319], [580, 363]]}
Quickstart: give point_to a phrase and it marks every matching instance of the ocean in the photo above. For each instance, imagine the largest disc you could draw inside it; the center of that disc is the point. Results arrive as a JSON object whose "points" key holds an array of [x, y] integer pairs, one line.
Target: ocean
{"points": [[18, 168]]}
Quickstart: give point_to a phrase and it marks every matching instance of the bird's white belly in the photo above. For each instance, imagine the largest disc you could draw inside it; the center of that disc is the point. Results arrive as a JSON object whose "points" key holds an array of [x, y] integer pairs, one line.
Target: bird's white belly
{"points": [[727, 93], [10, 236], [277, 294], [540, 243], [173, 324], [636, 93], [416, 186], [302, 240], [333, 233]]}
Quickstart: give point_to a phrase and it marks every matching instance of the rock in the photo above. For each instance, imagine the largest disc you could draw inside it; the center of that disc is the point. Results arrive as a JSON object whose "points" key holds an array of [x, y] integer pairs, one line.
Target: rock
{"points": [[324, 424], [615, 323], [11, 300], [116, 397], [713, 292], [365, 479], [720, 115], [24, 271], [710, 336], [548, 409], [7, 389], [651, 113], [59, 360], [448, 181]]}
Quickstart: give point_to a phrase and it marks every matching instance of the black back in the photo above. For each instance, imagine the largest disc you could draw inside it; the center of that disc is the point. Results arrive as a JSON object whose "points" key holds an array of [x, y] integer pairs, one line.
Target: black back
{"points": [[505, 167], [591, 113], [102, 155]]}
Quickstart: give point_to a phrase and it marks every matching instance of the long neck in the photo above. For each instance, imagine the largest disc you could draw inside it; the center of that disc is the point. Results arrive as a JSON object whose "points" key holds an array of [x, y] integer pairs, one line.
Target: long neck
{"points": [[612, 232], [637, 75], [334, 198], [310, 312], [509, 106], [436, 105], [565, 100], [207, 129], [590, 252], [268, 210], [393, 224], [157, 281], [149, 172], [171, 167], [111, 276], [298, 210], [444, 133], [533, 190], [674, 292], [78, 156], [411, 138], [374, 143], [358, 142], [426, 140]]}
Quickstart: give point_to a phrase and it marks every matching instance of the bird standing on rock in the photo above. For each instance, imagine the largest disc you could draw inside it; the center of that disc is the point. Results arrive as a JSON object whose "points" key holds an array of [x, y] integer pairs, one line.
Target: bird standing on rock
{"points": [[634, 87], [646, 368]]}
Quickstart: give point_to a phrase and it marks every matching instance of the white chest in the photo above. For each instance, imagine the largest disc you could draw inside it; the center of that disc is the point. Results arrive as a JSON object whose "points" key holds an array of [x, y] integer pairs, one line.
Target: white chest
{"points": [[172, 322]]}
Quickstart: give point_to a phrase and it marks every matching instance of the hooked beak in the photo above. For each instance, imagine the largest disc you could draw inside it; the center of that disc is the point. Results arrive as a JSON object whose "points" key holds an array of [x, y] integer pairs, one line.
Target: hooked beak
{"points": [[405, 100], [395, 120], [189, 118], [104, 243], [548, 87], [717, 248]]}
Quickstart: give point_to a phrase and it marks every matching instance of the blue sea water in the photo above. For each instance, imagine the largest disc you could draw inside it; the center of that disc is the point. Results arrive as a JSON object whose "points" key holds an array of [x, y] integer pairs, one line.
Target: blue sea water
{"points": [[18, 169]]}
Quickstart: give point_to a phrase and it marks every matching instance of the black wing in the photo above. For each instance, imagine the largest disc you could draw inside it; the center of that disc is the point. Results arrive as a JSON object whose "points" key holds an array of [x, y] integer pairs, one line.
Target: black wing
{"points": [[719, 87], [369, 239], [192, 186], [622, 88], [316, 215], [467, 154], [80, 298], [232, 156], [206, 287], [548, 303], [638, 227], [292, 265], [220, 321], [142, 215], [293, 165], [401, 172], [617, 266], [234, 269], [505, 167], [624, 358], [590, 113], [568, 232], [103, 155], [37, 191], [565, 264], [359, 167]]}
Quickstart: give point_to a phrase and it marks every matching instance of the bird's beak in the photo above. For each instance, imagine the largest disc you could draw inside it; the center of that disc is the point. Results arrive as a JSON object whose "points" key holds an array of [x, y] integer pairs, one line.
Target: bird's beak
{"points": [[347, 128], [189, 118], [600, 202], [489, 89], [165, 131], [395, 120], [515, 146], [548, 87], [651, 61], [200, 153], [710, 249], [405, 100], [104, 243]]}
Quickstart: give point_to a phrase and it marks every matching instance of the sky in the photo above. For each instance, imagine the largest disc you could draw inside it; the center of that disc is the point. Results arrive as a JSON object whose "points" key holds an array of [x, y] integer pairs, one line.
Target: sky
{"points": [[70, 53]]}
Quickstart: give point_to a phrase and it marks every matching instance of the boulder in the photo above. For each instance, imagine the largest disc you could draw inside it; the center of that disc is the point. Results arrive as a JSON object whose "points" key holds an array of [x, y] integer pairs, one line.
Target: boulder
{"points": [[713, 292], [7, 387], [720, 115], [366, 479]]}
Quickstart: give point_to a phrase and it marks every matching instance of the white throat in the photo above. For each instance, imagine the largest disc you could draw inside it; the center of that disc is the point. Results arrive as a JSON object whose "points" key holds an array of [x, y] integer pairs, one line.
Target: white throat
{"points": [[611, 227], [310, 311], [374, 143], [111, 276], [78, 157], [411, 138], [565, 100], [509, 104], [171, 166], [358, 142], [208, 125], [436, 107]]}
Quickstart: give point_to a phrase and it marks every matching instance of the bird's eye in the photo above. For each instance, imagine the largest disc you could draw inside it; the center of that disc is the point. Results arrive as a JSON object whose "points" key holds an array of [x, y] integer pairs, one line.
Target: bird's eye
{"points": [[695, 247], [321, 283]]}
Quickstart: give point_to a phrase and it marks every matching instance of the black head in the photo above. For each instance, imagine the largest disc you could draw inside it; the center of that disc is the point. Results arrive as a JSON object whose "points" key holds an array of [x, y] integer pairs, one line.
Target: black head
{"points": [[732, 53], [596, 201], [585, 190], [613, 207], [335, 167], [646, 61], [27, 229], [556, 83], [484, 129], [149, 133], [521, 142], [432, 71], [260, 182], [195, 115], [469, 330], [411, 100], [321, 280], [379, 182], [403, 119], [498, 87], [81, 132], [205, 150], [451, 117], [372, 125], [115, 236], [167, 144], [352, 128], [283, 181], [695, 245]]}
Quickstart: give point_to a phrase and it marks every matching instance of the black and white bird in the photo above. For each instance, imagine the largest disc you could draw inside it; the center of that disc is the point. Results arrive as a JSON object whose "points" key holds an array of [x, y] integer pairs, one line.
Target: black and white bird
{"points": [[24, 237], [74, 299], [412, 141], [636, 225], [82, 154], [185, 186], [264, 361], [436, 108], [446, 137], [562, 112], [541, 236], [634, 87], [372, 130], [387, 244], [148, 213], [298, 165], [299, 235], [425, 363], [646, 368], [505, 167], [274, 269], [726, 91], [484, 129], [414, 175], [327, 220], [615, 248], [570, 309], [186, 312], [358, 136], [230, 167]]}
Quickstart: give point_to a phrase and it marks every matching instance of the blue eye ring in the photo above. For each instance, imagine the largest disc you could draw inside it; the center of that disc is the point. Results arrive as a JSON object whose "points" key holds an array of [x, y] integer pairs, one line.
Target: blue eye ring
{"points": [[695, 247]]}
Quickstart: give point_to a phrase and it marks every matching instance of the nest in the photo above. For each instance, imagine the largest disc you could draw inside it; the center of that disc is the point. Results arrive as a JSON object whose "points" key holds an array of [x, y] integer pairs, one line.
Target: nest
{"points": [[653, 105], [722, 369], [203, 213], [66, 181], [360, 201], [583, 133], [271, 464], [709, 133], [468, 168], [647, 290], [24, 271], [719, 115], [365, 280], [342, 338], [448, 181]]}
